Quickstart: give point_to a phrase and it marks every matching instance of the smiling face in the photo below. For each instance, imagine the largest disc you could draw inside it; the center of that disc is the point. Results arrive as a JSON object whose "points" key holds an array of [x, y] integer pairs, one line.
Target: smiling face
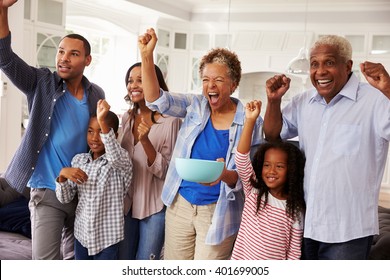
{"points": [[93, 138], [134, 85], [71, 59], [217, 85], [329, 72], [274, 172]]}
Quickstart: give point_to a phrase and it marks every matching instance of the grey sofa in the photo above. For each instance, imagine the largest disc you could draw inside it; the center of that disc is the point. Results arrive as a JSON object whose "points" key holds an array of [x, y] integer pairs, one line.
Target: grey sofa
{"points": [[380, 249]]}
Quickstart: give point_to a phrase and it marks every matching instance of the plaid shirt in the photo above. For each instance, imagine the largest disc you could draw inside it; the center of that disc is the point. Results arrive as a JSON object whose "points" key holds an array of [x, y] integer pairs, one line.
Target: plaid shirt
{"points": [[196, 111], [42, 88], [99, 219]]}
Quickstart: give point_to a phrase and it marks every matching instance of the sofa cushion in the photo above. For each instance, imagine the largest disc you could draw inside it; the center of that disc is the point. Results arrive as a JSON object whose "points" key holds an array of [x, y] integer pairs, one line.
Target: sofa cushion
{"points": [[15, 217], [380, 249]]}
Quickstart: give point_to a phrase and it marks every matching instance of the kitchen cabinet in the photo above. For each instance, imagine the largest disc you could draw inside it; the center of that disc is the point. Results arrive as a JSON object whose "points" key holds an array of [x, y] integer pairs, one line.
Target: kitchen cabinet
{"points": [[44, 26]]}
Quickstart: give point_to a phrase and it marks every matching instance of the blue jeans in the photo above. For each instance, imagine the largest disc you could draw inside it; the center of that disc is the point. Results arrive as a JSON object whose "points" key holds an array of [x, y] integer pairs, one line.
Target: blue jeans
{"points": [[356, 249], [109, 253], [144, 238]]}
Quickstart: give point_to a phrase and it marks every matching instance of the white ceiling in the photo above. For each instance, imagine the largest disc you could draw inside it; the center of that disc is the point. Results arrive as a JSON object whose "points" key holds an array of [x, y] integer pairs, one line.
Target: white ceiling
{"points": [[273, 11], [270, 10]]}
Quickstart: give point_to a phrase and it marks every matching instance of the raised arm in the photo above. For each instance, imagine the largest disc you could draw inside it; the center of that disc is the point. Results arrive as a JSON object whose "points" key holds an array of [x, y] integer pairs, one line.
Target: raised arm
{"points": [[252, 111], [276, 87], [377, 76], [146, 44], [101, 112], [4, 27]]}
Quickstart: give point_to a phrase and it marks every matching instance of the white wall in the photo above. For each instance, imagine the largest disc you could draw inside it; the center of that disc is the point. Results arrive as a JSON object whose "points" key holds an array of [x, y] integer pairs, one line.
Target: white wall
{"points": [[10, 96]]}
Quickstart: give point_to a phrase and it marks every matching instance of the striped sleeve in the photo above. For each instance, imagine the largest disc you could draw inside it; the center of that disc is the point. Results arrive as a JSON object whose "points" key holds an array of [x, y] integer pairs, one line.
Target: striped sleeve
{"points": [[244, 170]]}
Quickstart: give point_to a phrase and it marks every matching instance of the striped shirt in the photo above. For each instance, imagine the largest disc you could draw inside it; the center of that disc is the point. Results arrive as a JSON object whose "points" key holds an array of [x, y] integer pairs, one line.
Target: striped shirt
{"points": [[269, 234], [195, 110], [99, 219], [42, 88]]}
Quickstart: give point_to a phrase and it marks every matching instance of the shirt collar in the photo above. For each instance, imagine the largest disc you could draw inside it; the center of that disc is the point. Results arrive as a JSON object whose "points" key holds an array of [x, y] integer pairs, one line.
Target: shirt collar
{"points": [[88, 158], [62, 85], [240, 112], [348, 91]]}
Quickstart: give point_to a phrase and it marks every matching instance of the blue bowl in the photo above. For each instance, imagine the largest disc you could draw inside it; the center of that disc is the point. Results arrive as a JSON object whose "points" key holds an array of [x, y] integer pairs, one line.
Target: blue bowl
{"points": [[198, 170]]}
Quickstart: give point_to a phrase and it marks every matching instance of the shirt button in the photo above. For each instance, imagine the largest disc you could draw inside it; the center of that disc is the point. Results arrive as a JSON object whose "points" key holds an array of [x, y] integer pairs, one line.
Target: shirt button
{"points": [[32, 168], [54, 100], [46, 134], [38, 152], [49, 118]]}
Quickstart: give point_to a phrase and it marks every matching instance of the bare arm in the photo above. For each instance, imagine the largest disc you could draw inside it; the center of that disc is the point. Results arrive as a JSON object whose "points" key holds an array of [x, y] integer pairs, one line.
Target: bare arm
{"points": [[276, 87], [377, 76], [146, 45]]}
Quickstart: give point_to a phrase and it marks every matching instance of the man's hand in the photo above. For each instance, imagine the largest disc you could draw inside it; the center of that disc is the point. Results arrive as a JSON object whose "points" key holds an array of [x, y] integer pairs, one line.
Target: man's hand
{"points": [[7, 3], [276, 87], [377, 76]]}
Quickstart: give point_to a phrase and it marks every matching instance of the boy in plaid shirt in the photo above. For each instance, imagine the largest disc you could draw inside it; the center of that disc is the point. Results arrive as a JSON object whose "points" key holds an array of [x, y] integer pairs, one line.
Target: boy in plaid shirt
{"points": [[100, 178]]}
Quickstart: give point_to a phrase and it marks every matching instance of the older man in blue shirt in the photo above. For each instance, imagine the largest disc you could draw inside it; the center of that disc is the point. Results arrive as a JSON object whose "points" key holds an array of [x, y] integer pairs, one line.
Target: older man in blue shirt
{"points": [[344, 130]]}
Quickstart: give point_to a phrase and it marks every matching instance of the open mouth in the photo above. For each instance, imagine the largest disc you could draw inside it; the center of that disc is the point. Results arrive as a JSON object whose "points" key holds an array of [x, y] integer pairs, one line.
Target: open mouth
{"points": [[213, 97], [93, 146], [271, 179], [324, 83], [135, 93], [63, 67]]}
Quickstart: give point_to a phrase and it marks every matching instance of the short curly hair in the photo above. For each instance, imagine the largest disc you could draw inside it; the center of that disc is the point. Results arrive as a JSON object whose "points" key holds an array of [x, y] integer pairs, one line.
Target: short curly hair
{"points": [[342, 45], [226, 57]]}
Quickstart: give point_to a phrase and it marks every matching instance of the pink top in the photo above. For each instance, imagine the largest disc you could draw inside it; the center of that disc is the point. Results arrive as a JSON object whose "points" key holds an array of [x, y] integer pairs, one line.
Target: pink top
{"points": [[144, 195], [269, 234]]}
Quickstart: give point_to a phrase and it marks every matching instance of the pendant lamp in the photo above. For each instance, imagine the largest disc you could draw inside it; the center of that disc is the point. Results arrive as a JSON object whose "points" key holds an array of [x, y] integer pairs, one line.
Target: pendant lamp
{"points": [[300, 64]]}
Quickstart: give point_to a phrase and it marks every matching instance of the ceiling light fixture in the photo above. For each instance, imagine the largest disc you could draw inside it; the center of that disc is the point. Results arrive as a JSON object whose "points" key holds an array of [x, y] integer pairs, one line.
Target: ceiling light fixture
{"points": [[300, 64]]}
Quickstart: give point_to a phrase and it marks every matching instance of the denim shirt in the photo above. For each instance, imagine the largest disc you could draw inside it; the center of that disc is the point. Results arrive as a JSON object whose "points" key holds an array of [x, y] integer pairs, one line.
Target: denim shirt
{"points": [[42, 88], [196, 111]]}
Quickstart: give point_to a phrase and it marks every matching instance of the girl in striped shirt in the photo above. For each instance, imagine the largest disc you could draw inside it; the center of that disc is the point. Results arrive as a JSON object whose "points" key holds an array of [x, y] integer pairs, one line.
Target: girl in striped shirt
{"points": [[272, 219]]}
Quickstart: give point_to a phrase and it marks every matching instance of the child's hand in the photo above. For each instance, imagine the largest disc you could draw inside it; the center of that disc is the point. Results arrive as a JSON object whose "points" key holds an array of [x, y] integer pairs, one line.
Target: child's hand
{"points": [[74, 174], [252, 109], [102, 109]]}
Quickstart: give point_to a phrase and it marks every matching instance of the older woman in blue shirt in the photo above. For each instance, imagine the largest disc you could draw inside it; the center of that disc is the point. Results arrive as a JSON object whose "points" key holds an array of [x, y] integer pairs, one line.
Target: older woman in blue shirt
{"points": [[201, 220]]}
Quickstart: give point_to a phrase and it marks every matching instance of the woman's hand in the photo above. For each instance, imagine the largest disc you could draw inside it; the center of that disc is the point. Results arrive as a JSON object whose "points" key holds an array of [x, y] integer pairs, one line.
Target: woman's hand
{"points": [[143, 130], [230, 177], [147, 43]]}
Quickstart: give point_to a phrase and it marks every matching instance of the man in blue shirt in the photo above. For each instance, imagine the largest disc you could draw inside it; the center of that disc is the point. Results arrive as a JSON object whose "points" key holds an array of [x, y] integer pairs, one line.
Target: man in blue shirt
{"points": [[60, 105]]}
